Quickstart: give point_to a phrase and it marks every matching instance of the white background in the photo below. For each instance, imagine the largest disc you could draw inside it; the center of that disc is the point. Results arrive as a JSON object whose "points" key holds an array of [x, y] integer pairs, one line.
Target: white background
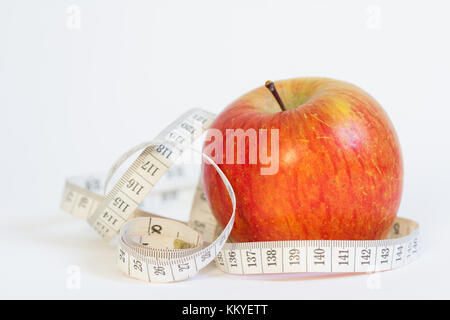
{"points": [[76, 93]]}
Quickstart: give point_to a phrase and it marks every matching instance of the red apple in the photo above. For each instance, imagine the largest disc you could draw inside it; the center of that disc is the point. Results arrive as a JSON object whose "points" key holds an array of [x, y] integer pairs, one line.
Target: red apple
{"points": [[340, 165]]}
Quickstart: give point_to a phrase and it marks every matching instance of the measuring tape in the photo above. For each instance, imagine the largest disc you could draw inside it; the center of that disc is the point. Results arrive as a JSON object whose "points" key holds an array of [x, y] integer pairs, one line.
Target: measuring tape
{"points": [[157, 249]]}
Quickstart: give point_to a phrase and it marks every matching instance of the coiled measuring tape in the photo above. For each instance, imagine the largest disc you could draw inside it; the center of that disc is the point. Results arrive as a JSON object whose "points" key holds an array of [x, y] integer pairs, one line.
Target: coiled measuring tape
{"points": [[157, 249]]}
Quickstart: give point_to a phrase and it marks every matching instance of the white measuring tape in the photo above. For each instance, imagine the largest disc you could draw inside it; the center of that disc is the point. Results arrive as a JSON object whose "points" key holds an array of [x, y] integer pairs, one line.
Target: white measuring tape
{"points": [[156, 249]]}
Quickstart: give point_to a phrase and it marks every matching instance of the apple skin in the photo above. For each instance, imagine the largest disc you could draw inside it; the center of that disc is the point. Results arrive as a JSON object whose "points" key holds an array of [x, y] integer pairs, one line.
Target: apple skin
{"points": [[340, 165]]}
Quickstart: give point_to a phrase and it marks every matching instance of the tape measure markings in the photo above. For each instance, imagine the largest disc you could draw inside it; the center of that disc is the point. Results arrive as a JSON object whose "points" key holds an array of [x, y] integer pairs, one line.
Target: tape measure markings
{"points": [[150, 154], [317, 256]]}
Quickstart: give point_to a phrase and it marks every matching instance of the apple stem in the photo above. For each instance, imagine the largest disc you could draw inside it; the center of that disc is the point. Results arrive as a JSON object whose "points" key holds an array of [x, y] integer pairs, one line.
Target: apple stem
{"points": [[271, 86]]}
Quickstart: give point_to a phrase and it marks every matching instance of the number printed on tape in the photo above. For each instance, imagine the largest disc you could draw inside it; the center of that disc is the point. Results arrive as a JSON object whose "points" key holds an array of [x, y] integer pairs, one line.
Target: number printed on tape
{"points": [[384, 258], [294, 259], [271, 260], [319, 258], [233, 260], [343, 259], [365, 259], [160, 273], [252, 261]]}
